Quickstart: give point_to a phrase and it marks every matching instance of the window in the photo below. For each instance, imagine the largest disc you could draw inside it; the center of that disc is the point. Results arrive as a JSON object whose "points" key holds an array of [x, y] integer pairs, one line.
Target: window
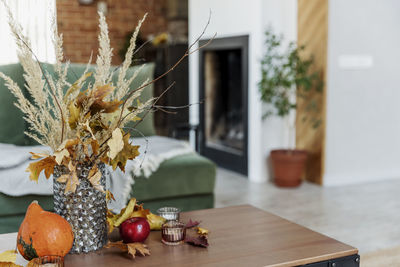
{"points": [[35, 17]]}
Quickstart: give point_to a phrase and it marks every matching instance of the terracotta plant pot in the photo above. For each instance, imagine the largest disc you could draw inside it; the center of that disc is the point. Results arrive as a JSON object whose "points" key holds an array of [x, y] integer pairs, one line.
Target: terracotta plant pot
{"points": [[288, 166]]}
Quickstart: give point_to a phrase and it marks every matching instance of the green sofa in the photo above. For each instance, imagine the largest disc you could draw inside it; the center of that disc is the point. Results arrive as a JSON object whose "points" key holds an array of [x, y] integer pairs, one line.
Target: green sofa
{"points": [[185, 181]]}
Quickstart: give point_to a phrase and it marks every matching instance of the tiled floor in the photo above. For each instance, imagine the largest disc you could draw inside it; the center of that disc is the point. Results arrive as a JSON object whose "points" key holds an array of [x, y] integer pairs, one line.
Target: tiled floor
{"points": [[366, 216]]}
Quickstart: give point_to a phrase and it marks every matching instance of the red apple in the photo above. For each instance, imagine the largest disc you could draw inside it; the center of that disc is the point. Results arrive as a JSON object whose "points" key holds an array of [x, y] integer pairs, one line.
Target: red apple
{"points": [[135, 229]]}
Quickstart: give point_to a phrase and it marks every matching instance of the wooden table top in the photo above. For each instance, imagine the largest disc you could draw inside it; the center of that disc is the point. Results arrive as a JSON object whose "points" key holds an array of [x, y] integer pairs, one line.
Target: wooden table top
{"points": [[239, 236]]}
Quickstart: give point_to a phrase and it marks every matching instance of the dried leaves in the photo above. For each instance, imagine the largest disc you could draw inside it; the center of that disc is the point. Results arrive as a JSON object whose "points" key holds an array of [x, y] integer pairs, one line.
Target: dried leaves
{"points": [[128, 152], [8, 258], [132, 248], [116, 143], [94, 178], [134, 210], [191, 224], [200, 241], [47, 165], [202, 231], [196, 235], [55, 114]]}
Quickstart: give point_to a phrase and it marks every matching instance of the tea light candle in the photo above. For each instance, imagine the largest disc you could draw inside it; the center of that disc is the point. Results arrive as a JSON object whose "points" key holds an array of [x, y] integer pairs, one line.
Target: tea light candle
{"points": [[169, 213], [173, 233]]}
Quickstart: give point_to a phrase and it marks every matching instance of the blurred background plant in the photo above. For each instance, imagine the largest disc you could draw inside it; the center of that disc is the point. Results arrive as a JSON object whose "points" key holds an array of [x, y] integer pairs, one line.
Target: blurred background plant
{"points": [[285, 76]]}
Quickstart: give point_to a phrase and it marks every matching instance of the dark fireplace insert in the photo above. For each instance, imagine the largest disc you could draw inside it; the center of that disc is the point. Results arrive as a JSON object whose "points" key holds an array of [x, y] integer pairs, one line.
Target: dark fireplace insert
{"points": [[223, 116]]}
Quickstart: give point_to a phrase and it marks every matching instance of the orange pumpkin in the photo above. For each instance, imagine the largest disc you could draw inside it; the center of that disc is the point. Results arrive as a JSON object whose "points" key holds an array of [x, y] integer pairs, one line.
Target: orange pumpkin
{"points": [[43, 233]]}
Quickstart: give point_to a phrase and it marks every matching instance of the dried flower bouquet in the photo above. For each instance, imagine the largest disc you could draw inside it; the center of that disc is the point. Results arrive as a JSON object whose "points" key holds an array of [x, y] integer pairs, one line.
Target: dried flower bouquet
{"points": [[81, 126]]}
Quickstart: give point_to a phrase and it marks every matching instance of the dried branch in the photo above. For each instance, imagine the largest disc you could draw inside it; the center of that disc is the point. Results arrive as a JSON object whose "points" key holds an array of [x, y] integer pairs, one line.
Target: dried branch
{"points": [[186, 54]]}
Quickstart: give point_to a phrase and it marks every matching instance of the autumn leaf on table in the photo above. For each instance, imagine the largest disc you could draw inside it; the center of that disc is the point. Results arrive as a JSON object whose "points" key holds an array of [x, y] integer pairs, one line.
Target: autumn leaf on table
{"points": [[140, 213], [131, 248], [202, 231], [200, 241], [46, 164], [115, 220], [155, 221], [191, 224], [134, 210]]}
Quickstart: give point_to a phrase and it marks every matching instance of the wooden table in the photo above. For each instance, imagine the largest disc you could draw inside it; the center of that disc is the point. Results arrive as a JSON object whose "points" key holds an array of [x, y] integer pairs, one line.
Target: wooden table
{"points": [[239, 236]]}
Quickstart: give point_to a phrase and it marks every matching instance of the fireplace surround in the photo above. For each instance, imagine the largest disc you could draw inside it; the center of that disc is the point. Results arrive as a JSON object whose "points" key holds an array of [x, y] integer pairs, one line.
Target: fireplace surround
{"points": [[223, 85]]}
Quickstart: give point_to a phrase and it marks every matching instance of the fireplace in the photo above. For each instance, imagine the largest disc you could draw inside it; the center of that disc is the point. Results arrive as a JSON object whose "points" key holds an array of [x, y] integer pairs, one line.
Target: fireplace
{"points": [[223, 84]]}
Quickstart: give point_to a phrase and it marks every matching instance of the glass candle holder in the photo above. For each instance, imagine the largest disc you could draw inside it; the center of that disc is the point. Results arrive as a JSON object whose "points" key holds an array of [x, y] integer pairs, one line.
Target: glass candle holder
{"points": [[173, 233], [48, 261], [169, 213]]}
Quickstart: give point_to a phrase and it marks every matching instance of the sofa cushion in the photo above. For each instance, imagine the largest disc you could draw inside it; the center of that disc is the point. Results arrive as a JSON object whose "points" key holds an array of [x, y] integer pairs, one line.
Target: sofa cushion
{"points": [[184, 175], [12, 124], [10, 205]]}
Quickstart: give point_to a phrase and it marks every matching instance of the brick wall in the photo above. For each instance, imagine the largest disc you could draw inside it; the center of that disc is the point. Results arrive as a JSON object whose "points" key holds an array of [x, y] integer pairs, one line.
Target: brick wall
{"points": [[79, 24]]}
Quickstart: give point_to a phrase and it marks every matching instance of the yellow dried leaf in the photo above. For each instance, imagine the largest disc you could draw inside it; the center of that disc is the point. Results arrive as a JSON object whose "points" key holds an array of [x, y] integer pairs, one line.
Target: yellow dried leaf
{"points": [[111, 217], [75, 86], [140, 213], [11, 264], [102, 91], [155, 221], [135, 118], [128, 152], [60, 155], [73, 180], [202, 231], [95, 147], [104, 106], [39, 155], [35, 168], [74, 113], [86, 126], [63, 178], [8, 256], [109, 195], [69, 145], [140, 248], [131, 248], [116, 143], [95, 181], [71, 166], [118, 244], [125, 213]]}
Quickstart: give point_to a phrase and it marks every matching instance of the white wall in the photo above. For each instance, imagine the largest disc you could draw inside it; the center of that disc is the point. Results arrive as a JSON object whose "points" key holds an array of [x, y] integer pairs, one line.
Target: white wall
{"points": [[240, 17], [363, 105]]}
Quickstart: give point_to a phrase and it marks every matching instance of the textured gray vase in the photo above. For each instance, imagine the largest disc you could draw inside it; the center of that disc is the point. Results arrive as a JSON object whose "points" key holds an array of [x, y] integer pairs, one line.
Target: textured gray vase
{"points": [[85, 209]]}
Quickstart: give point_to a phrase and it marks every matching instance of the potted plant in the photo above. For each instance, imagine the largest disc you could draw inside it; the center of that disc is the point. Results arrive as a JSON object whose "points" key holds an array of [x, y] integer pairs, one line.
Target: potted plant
{"points": [[286, 77]]}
